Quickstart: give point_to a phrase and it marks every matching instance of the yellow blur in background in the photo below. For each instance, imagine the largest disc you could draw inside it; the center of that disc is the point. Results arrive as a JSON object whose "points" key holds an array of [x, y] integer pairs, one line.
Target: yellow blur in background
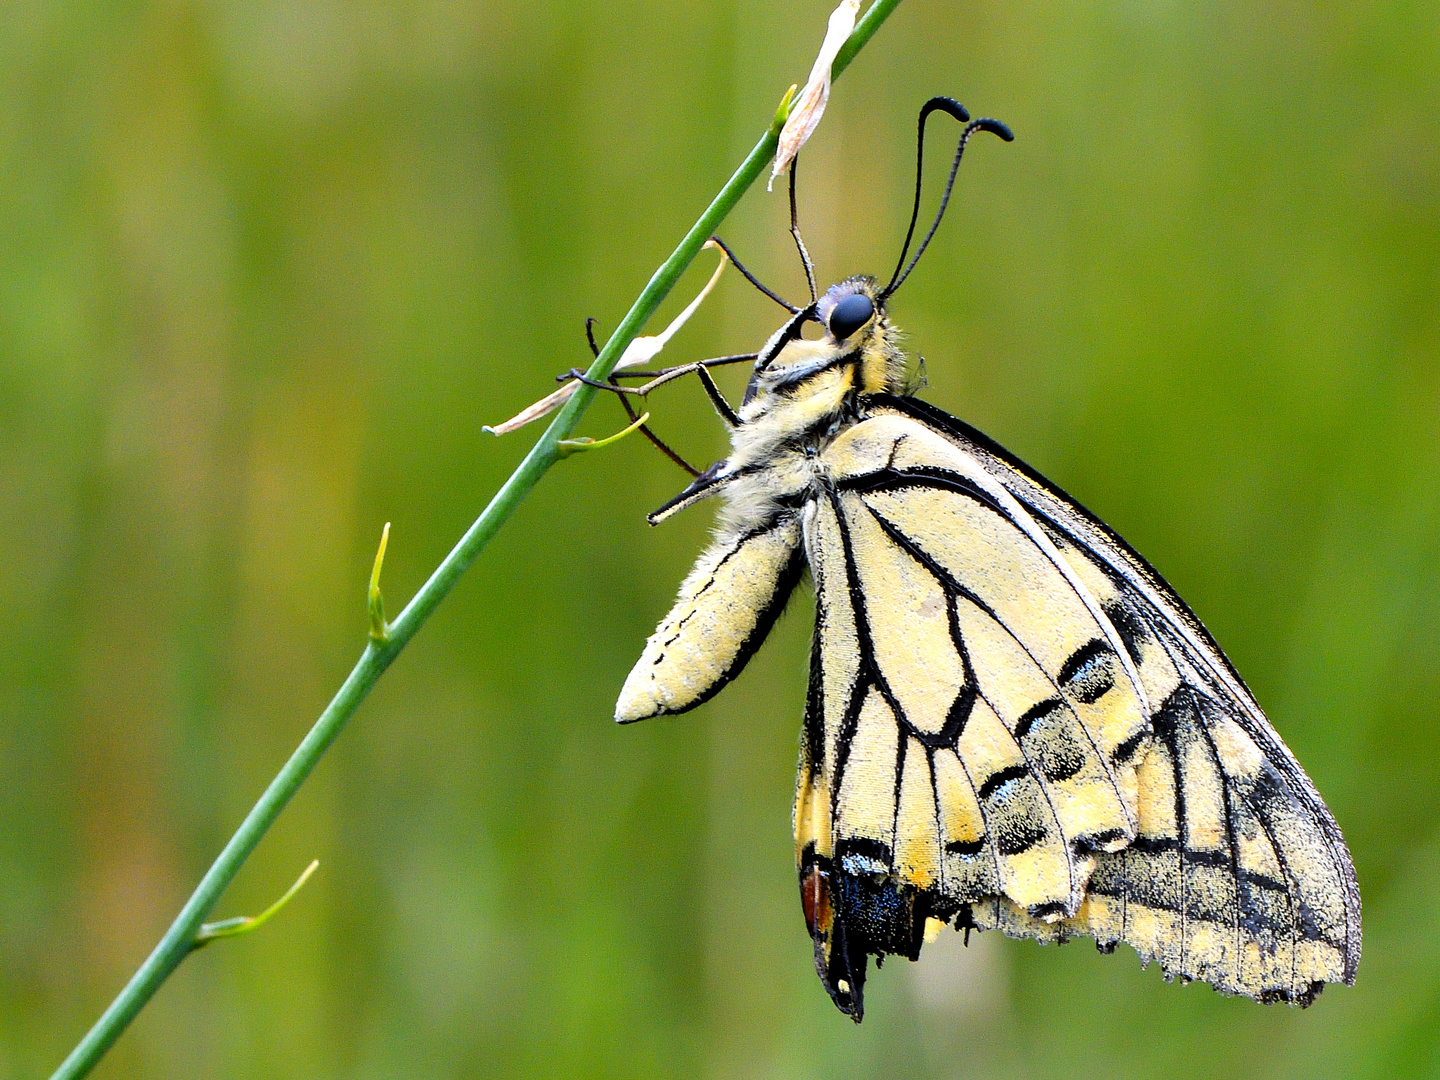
{"points": [[266, 268]]}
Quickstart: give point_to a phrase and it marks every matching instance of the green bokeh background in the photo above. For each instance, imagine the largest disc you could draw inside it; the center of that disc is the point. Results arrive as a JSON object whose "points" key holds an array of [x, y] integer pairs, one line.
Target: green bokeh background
{"points": [[267, 266]]}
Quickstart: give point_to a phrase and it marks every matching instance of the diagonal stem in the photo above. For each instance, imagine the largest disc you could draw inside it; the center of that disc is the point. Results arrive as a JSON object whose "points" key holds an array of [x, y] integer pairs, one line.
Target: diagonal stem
{"points": [[378, 655]]}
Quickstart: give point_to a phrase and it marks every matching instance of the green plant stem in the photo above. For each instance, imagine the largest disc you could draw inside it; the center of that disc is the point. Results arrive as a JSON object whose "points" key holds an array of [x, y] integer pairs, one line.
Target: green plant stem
{"points": [[179, 940]]}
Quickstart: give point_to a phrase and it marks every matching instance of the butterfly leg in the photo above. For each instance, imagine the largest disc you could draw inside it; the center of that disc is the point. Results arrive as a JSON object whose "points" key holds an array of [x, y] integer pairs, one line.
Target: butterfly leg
{"points": [[703, 486], [713, 361], [717, 398], [613, 384], [580, 377], [700, 368], [655, 440]]}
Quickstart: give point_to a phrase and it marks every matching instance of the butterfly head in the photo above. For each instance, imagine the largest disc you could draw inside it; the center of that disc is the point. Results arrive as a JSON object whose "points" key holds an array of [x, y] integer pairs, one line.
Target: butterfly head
{"points": [[852, 347], [858, 328]]}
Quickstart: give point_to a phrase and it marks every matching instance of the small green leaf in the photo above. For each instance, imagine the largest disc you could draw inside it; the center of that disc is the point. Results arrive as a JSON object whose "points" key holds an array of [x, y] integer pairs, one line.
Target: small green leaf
{"points": [[574, 446], [379, 628], [245, 923]]}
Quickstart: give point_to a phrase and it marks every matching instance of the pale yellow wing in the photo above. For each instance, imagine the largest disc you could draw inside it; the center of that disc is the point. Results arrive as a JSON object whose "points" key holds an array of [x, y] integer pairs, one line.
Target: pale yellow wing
{"points": [[974, 719], [726, 606], [1239, 875]]}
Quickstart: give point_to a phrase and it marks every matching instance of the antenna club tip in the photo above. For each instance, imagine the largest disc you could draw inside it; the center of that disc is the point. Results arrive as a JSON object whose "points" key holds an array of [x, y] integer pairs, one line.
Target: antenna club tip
{"points": [[947, 105], [996, 127]]}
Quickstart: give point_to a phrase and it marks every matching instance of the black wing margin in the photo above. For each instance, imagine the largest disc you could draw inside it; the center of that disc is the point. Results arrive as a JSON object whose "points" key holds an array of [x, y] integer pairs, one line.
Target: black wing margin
{"points": [[1239, 875]]}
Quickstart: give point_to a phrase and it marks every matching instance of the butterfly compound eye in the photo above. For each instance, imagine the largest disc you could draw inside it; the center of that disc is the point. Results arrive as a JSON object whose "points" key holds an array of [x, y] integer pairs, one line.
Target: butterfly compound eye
{"points": [[850, 314]]}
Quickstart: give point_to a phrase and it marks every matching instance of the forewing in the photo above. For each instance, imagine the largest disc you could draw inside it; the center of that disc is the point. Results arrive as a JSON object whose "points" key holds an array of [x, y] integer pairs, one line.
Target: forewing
{"points": [[1239, 875], [974, 719], [726, 607]]}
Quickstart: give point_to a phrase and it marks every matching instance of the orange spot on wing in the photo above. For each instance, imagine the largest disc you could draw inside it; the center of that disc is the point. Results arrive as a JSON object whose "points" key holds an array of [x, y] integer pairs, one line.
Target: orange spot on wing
{"points": [[815, 899]]}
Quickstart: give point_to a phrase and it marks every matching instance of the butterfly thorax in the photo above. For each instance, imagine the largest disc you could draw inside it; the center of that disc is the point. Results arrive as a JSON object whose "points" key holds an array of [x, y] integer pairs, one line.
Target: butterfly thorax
{"points": [[802, 395]]}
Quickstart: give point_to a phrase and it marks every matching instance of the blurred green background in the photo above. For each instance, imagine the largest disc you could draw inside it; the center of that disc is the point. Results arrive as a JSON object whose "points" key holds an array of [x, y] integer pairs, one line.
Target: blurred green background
{"points": [[267, 267]]}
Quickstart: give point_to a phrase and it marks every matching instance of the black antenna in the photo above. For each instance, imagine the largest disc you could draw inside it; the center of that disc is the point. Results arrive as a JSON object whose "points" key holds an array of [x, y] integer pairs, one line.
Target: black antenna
{"points": [[952, 108], [795, 232], [751, 277]]}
